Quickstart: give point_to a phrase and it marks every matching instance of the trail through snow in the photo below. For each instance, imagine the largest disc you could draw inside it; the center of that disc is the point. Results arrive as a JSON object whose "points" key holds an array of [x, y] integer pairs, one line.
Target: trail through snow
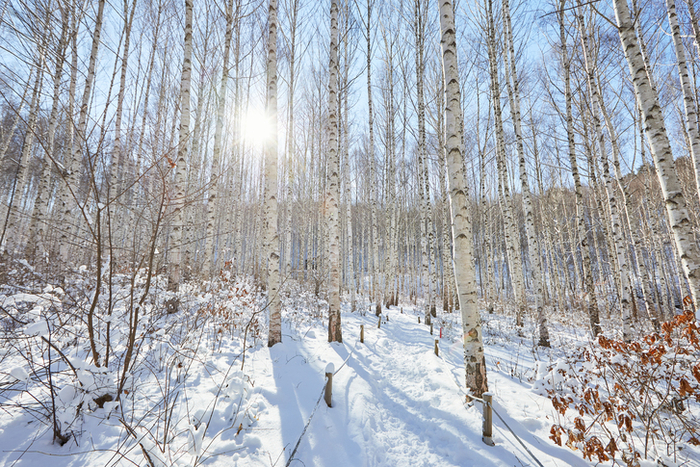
{"points": [[395, 403]]}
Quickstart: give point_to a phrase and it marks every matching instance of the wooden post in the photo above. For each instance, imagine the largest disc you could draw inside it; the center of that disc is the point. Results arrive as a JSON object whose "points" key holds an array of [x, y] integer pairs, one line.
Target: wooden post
{"points": [[436, 348], [330, 368], [431, 329], [487, 430], [379, 322], [419, 320], [401, 310], [362, 333], [387, 318]]}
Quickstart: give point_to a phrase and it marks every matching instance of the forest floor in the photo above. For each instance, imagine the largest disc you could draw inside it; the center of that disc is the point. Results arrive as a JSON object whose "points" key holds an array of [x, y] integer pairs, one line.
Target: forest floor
{"points": [[197, 398]]}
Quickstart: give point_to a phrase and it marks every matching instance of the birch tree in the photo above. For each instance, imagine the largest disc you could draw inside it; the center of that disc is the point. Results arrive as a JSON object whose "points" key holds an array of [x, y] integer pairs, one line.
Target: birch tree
{"points": [[176, 235], [689, 104], [333, 187], [212, 202], [532, 243], [512, 232], [463, 253], [273, 260], [590, 298], [38, 223], [70, 196], [619, 241], [655, 131]]}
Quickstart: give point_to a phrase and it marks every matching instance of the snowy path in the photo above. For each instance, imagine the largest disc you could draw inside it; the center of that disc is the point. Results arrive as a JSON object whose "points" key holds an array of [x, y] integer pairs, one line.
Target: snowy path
{"points": [[394, 403]]}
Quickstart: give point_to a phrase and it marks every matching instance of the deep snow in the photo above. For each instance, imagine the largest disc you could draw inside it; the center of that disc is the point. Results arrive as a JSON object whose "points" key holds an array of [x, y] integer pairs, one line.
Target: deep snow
{"points": [[394, 403]]}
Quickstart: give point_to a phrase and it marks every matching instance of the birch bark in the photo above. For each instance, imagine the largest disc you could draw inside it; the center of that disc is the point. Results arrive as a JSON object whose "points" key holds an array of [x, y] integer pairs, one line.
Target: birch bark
{"points": [[512, 233], [533, 250], [176, 234], [655, 130], [691, 116], [70, 196], [212, 201], [426, 233], [590, 297], [37, 226], [273, 261], [619, 241], [463, 253], [333, 188]]}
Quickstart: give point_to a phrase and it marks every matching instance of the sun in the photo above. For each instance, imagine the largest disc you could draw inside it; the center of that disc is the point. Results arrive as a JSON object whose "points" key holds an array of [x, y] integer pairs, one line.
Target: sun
{"points": [[256, 127]]}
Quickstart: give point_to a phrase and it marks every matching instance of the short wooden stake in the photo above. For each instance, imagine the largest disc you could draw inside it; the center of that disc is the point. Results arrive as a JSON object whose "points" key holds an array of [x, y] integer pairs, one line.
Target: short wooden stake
{"points": [[487, 430], [401, 310], [419, 320], [436, 348], [379, 322], [329, 388], [362, 333], [431, 329], [387, 318]]}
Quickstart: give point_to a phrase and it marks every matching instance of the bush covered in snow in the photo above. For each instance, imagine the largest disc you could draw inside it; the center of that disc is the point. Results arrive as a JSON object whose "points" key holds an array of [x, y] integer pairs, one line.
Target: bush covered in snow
{"points": [[626, 401], [67, 363]]}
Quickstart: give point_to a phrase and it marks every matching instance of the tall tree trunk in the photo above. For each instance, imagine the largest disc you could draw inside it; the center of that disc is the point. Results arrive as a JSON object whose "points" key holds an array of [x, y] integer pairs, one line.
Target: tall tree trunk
{"points": [[512, 232], [593, 315], [70, 195], [463, 261], [273, 262], [691, 116], [426, 230], [180, 187], [212, 202], [37, 226], [290, 134], [333, 188], [533, 250], [374, 257], [619, 241], [661, 151]]}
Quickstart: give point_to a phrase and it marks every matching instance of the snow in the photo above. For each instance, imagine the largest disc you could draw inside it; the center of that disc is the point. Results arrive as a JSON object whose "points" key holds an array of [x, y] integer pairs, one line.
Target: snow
{"points": [[19, 373], [40, 328], [395, 403]]}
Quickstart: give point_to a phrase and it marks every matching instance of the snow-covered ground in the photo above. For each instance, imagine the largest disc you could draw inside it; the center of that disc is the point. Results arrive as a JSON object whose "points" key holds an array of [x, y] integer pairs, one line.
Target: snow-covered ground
{"points": [[192, 400]]}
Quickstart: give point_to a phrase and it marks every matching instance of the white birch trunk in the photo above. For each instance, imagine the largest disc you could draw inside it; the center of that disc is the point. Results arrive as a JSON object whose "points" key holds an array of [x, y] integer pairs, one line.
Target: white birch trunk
{"points": [[691, 116], [70, 195], [590, 296], [533, 249], [212, 202], [463, 261], [512, 232], [374, 257], [333, 188], [661, 151], [290, 136], [37, 226], [620, 244], [273, 261], [176, 235]]}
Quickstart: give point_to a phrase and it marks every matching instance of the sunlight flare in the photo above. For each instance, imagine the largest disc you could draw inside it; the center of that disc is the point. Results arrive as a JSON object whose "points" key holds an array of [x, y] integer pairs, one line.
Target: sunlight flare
{"points": [[257, 128]]}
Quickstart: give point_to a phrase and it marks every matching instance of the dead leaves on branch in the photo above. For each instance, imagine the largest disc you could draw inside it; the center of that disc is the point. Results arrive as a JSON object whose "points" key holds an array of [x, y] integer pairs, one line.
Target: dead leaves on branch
{"points": [[630, 396]]}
